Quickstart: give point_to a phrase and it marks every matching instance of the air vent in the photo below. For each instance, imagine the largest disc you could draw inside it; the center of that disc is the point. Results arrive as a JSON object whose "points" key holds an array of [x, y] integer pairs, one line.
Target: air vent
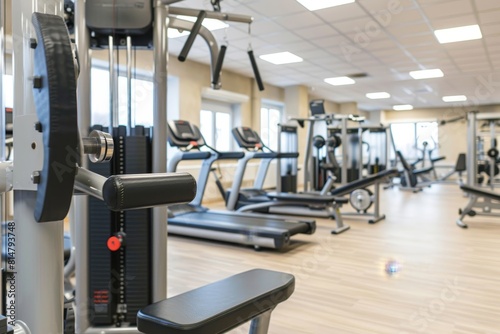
{"points": [[357, 75]]}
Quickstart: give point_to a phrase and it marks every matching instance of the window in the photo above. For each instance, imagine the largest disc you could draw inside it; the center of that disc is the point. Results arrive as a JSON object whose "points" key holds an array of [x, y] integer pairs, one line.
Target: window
{"points": [[270, 117], [216, 122], [8, 91], [409, 138], [142, 98]]}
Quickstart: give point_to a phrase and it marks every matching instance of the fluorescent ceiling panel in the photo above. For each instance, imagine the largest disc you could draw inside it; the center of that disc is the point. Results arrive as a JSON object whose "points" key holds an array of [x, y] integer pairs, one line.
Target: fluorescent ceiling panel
{"points": [[401, 107], [455, 98], [321, 4], [458, 34], [281, 58], [378, 95], [427, 74], [340, 81]]}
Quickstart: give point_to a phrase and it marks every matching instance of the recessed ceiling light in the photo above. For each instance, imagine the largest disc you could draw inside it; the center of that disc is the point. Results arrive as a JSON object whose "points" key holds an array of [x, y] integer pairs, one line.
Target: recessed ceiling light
{"points": [[210, 24], [401, 107], [455, 98], [378, 95], [427, 74], [321, 4], [458, 34], [340, 81], [281, 58]]}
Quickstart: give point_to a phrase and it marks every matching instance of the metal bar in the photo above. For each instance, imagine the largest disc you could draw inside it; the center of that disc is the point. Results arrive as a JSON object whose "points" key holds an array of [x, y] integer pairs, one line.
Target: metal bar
{"points": [[343, 176], [90, 183], [130, 122], [82, 36], [308, 178], [488, 116], [114, 117], [3, 207], [260, 324], [278, 164], [205, 34], [40, 306], [159, 230], [377, 200], [471, 149], [493, 162], [2, 71], [212, 15], [360, 153]]}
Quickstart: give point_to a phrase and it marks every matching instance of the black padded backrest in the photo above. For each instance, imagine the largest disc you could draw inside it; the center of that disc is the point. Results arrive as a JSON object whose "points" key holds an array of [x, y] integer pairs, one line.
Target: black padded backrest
{"points": [[363, 183], [405, 163], [460, 166]]}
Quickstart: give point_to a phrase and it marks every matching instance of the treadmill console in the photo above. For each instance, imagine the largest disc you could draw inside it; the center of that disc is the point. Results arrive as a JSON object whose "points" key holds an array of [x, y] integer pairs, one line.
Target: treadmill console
{"points": [[247, 138], [183, 134]]}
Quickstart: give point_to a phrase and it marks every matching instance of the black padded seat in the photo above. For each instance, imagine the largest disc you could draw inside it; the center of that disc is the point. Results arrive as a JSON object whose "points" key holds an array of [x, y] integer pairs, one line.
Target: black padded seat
{"points": [[218, 307], [307, 198], [362, 183], [481, 192], [422, 170]]}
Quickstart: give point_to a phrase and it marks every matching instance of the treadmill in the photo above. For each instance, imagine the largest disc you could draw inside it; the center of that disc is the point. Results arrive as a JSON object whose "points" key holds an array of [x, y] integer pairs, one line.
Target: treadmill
{"points": [[256, 199], [194, 220]]}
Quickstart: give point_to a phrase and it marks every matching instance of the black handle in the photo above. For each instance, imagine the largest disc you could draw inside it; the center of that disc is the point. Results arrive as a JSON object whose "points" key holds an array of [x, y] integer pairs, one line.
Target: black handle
{"points": [[218, 65], [256, 70], [194, 32], [136, 191]]}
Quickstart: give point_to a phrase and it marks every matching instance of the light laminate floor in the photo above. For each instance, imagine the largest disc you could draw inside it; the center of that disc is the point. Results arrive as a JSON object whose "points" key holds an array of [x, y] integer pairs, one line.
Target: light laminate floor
{"points": [[449, 280]]}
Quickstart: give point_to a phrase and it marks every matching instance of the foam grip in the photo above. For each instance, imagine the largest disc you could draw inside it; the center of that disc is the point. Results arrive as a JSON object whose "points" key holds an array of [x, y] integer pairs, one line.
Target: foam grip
{"points": [[256, 72], [194, 32], [138, 191], [218, 65]]}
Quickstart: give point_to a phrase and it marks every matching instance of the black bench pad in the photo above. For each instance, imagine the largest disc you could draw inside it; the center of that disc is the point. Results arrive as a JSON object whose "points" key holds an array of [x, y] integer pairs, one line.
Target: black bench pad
{"points": [[422, 171], [368, 181], [437, 159], [218, 307], [306, 198], [481, 192]]}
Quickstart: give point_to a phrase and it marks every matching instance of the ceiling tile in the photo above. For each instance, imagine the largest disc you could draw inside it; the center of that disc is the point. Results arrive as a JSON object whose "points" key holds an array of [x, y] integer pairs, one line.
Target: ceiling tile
{"points": [[313, 32], [451, 22], [298, 20], [447, 9], [486, 5], [275, 8]]}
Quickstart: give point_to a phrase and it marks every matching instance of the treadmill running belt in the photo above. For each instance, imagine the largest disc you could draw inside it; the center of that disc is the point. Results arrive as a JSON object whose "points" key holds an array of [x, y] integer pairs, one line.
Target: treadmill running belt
{"points": [[259, 226]]}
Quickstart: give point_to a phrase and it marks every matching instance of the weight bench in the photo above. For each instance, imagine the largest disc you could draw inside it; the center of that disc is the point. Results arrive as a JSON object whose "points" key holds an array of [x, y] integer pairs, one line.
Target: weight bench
{"points": [[221, 306], [374, 179], [477, 193], [409, 179], [330, 203]]}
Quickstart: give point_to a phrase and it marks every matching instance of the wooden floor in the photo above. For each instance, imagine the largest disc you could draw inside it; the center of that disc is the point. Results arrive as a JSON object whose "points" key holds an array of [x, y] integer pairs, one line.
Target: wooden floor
{"points": [[449, 280]]}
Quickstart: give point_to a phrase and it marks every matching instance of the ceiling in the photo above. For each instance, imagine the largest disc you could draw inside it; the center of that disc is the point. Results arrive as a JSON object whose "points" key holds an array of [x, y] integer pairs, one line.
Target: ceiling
{"points": [[366, 37]]}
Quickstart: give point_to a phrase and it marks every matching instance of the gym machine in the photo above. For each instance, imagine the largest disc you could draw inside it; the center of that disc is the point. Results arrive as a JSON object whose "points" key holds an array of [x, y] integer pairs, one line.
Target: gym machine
{"points": [[193, 219], [482, 201], [46, 172]]}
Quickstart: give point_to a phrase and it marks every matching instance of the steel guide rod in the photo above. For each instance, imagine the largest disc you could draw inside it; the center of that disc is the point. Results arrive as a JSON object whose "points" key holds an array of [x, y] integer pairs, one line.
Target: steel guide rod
{"points": [[3, 206], [212, 15]]}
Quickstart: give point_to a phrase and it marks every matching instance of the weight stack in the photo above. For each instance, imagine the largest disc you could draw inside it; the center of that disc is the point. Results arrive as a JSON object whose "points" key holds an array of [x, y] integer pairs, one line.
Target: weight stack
{"points": [[119, 242]]}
